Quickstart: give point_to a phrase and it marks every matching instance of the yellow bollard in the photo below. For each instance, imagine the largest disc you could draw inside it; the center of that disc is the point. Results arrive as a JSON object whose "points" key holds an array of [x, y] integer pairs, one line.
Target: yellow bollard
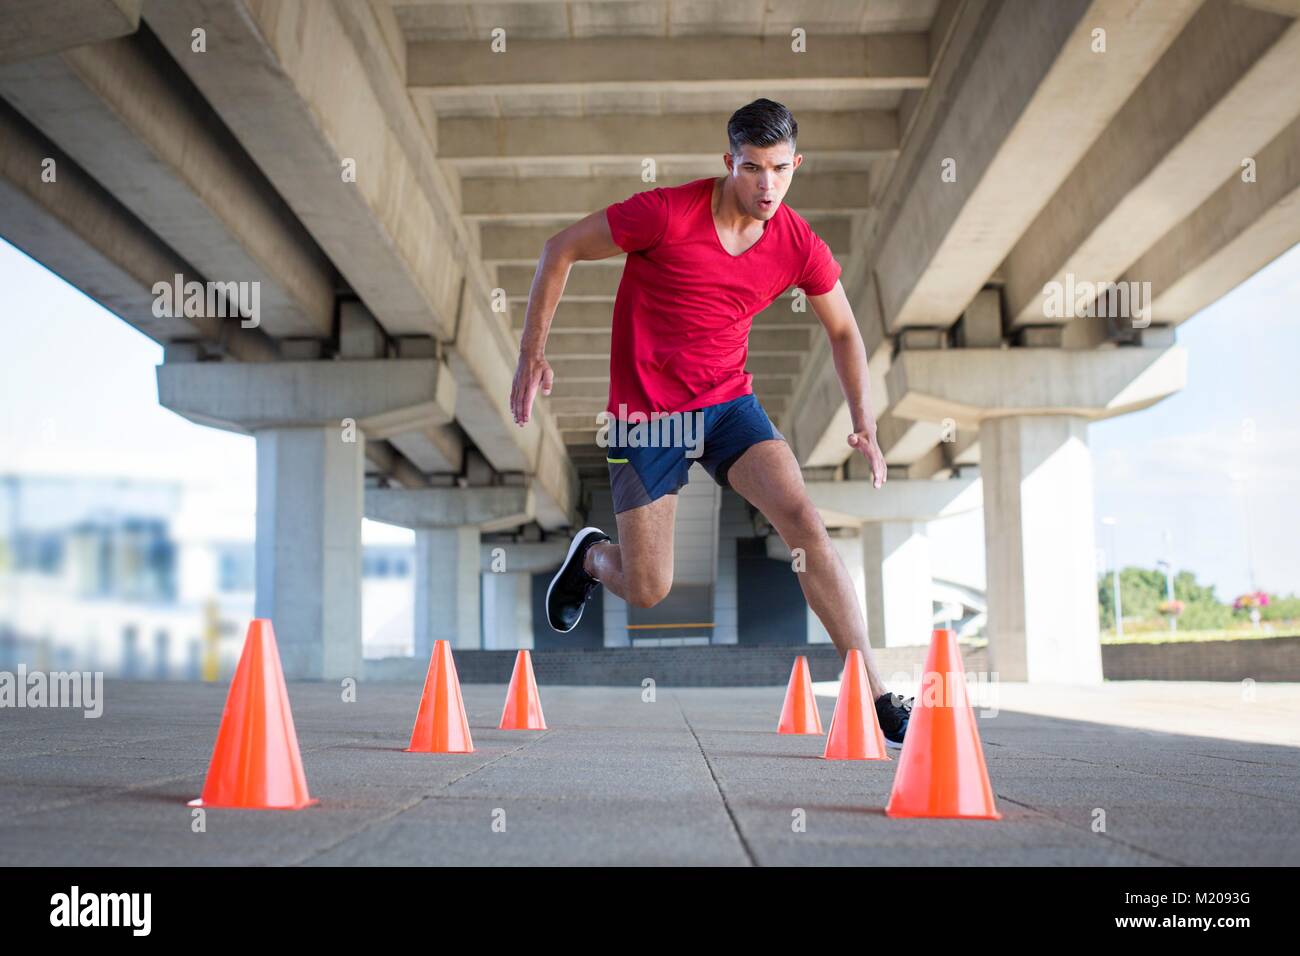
{"points": [[211, 642]]}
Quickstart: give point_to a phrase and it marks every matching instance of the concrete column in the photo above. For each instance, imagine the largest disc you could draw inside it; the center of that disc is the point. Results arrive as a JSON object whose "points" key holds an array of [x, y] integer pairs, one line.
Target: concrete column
{"points": [[507, 611], [447, 589], [311, 420], [310, 484], [523, 608], [733, 523], [895, 556], [1040, 549]]}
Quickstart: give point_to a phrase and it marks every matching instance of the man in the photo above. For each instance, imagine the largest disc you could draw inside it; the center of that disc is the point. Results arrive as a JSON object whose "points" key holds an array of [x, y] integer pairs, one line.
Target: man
{"points": [[702, 260]]}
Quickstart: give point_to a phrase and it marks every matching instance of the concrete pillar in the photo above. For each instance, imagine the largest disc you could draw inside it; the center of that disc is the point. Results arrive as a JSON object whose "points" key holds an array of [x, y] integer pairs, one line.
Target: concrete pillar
{"points": [[1040, 549], [449, 554], [733, 523], [311, 420], [895, 556], [447, 589], [507, 611], [310, 484]]}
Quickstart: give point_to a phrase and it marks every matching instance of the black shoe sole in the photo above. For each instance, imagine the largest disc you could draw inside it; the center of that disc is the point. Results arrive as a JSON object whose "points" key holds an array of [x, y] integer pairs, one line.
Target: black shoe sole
{"points": [[564, 566]]}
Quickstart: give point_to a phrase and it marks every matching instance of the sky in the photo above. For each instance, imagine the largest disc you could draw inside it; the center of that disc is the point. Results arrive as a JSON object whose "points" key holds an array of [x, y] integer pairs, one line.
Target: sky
{"points": [[1206, 479]]}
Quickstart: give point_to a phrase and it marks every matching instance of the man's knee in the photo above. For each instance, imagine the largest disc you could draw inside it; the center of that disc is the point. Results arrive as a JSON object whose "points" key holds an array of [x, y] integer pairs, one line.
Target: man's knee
{"points": [[648, 590], [801, 524]]}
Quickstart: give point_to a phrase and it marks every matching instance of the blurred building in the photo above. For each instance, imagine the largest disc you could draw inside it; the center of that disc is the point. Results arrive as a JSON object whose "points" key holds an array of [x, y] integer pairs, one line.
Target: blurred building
{"points": [[118, 575]]}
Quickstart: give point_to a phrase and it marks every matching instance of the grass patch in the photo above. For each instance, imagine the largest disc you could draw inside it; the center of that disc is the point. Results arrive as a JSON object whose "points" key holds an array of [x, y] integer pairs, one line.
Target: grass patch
{"points": [[1175, 637]]}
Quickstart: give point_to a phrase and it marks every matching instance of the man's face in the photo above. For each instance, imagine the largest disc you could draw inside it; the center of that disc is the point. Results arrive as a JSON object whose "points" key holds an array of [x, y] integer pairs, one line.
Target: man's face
{"points": [[761, 175]]}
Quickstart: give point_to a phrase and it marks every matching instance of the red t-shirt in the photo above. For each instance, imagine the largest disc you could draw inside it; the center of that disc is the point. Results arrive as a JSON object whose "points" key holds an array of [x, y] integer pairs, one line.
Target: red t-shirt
{"points": [[685, 305]]}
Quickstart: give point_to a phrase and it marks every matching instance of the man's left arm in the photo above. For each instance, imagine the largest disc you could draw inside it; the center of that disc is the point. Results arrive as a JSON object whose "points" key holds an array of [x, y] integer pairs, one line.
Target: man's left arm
{"points": [[836, 316]]}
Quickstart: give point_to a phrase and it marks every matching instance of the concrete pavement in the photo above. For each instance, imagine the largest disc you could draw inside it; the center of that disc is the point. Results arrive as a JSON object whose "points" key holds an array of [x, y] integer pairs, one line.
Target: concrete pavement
{"points": [[697, 777]]}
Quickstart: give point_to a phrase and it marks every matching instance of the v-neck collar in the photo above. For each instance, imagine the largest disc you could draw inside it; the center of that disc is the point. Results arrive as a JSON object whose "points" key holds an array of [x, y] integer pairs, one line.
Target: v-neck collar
{"points": [[713, 227]]}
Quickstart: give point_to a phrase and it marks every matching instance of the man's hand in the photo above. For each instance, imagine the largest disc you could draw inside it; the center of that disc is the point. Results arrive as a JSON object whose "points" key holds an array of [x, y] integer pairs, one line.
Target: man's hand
{"points": [[865, 442], [533, 372]]}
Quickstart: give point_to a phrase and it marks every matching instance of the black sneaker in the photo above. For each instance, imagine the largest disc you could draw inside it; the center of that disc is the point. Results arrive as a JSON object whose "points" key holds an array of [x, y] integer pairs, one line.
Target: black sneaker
{"points": [[894, 713], [572, 586]]}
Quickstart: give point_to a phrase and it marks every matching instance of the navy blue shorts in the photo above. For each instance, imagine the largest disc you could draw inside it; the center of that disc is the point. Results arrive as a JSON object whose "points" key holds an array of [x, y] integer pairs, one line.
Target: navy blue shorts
{"points": [[646, 466]]}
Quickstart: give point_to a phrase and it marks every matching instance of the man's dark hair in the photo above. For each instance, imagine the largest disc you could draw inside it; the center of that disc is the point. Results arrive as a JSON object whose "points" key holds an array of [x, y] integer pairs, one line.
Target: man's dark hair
{"points": [[761, 123]]}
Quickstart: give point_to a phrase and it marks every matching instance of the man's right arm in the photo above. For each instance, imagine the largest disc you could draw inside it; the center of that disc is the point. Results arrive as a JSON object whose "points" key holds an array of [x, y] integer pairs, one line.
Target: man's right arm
{"points": [[586, 239]]}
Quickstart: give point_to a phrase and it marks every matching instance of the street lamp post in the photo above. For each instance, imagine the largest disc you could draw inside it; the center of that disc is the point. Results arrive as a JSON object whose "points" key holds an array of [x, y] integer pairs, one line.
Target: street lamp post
{"points": [[1169, 592], [1114, 570]]}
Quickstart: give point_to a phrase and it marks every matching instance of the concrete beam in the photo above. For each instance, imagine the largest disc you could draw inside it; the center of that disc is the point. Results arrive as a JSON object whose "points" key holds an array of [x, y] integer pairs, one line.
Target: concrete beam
{"points": [[1241, 228], [32, 28], [386, 462], [1286, 8], [433, 449], [971, 385], [475, 142], [271, 71], [588, 281], [499, 197], [903, 441], [523, 557], [383, 396], [844, 503], [130, 118], [76, 229], [1022, 106], [394, 233], [680, 63], [489, 509], [1163, 155]]}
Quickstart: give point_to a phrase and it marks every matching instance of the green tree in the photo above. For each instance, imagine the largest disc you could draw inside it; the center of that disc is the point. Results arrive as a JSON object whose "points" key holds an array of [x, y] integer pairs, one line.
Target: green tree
{"points": [[1142, 590]]}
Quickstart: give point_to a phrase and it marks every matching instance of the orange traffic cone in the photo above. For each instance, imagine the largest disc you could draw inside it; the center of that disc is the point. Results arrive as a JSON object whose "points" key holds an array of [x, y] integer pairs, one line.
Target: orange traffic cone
{"points": [[523, 710], [255, 763], [855, 729], [799, 715], [441, 726], [941, 772]]}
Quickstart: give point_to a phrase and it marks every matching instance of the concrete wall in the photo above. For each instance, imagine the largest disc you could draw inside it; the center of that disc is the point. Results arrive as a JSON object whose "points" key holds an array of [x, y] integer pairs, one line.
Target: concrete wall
{"points": [[711, 666], [1266, 659]]}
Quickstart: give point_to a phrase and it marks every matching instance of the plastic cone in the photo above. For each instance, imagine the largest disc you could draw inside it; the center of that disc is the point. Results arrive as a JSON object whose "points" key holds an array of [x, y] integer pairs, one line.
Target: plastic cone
{"points": [[855, 729], [255, 763], [523, 710], [941, 771], [799, 715], [441, 726]]}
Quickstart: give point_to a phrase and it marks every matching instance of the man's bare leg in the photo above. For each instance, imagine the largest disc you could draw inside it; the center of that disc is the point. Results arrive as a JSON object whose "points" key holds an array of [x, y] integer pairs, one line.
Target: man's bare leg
{"points": [[768, 477], [639, 569]]}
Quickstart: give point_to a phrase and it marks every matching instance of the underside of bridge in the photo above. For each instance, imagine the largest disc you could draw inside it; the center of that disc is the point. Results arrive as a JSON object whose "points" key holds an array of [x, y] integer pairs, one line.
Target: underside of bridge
{"points": [[990, 175]]}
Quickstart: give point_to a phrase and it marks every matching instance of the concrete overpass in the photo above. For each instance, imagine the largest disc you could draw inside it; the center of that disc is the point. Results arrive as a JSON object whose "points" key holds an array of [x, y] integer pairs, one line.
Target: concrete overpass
{"points": [[386, 171]]}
